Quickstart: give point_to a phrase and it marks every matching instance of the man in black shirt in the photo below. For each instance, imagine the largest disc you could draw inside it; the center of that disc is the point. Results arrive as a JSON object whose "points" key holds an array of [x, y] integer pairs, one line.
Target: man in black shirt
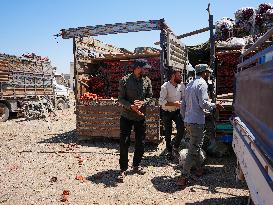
{"points": [[135, 91]]}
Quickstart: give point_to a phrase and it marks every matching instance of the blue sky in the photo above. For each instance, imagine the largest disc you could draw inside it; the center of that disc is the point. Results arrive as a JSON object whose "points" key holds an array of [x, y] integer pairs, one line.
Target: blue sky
{"points": [[29, 25]]}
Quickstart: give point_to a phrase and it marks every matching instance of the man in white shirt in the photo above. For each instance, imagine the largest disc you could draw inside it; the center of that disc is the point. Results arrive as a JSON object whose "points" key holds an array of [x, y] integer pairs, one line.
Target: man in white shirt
{"points": [[171, 95]]}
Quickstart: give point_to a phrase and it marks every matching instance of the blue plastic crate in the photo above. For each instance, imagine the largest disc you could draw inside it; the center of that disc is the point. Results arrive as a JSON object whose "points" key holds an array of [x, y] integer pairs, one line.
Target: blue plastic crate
{"points": [[225, 138]]}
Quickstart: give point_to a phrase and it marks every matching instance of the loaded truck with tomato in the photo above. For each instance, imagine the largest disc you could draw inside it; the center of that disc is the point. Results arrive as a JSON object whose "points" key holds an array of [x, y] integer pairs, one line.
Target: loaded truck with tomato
{"points": [[27, 80], [98, 68]]}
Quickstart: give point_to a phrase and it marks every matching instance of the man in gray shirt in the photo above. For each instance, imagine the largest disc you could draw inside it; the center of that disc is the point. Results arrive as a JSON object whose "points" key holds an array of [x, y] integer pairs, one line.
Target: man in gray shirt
{"points": [[171, 95], [192, 110], [135, 91]]}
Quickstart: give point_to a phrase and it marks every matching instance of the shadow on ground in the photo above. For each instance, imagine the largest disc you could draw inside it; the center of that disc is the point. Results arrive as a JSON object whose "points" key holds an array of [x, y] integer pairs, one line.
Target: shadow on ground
{"points": [[109, 178], [165, 184], [100, 142], [220, 173], [238, 200]]}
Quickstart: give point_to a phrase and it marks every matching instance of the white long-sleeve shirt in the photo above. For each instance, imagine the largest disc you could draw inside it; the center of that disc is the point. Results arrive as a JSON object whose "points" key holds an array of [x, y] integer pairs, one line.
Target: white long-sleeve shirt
{"points": [[171, 93], [196, 100]]}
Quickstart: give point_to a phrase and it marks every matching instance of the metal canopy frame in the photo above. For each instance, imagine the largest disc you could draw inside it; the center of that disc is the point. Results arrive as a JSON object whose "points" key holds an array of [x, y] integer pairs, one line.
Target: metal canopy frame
{"points": [[174, 49], [113, 28]]}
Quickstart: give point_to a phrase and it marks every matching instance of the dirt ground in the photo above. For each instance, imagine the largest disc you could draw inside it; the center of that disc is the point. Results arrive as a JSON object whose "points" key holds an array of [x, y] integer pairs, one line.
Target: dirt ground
{"points": [[39, 160]]}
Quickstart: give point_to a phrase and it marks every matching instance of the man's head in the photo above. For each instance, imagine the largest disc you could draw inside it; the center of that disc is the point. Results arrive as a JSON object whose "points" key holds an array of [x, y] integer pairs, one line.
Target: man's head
{"points": [[140, 67], [191, 74], [203, 70], [176, 76], [191, 71]]}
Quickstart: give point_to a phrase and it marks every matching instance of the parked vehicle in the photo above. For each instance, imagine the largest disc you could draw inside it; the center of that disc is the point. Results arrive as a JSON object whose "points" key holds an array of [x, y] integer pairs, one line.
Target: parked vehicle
{"points": [[253, 122], [27, 78], [98, 68]]}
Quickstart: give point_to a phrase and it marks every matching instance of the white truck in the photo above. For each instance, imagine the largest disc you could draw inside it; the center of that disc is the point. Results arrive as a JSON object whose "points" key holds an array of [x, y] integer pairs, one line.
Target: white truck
{"points": [[253, 121], [61, 94]]}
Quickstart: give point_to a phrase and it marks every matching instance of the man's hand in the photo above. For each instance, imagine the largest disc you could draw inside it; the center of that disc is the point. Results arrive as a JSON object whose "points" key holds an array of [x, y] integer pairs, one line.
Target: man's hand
{"points": [[139, 103], [219, 106], [175, 104], [136, 109]]}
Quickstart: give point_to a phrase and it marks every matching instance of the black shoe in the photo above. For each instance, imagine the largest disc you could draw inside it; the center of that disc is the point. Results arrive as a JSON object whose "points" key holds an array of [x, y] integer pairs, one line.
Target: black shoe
{"points": [[121, 176], [138, 170]]}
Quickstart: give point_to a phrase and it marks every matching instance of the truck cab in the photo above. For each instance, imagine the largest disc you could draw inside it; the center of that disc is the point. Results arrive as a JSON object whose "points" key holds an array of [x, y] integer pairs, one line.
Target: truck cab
{"points": [[61, 94]]}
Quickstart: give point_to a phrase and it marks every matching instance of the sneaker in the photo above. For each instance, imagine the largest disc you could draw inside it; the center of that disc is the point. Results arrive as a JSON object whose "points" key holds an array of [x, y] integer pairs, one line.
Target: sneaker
{"points": [[121, 176], [138, 170]]}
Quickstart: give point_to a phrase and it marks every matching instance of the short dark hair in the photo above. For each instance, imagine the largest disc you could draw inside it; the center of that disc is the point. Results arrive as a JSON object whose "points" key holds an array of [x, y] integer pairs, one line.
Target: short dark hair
{"points": [[139, 64], [142, 63], [172, 72]]}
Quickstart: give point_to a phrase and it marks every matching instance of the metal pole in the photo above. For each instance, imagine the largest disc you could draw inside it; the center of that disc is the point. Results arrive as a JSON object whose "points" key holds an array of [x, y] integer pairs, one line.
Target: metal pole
{"points": [[75, 69], [212, 50]]}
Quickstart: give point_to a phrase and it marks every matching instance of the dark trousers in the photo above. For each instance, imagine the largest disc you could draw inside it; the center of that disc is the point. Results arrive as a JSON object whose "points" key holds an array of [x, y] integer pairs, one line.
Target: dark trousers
{"points": [[168, 117], [125, 132]]}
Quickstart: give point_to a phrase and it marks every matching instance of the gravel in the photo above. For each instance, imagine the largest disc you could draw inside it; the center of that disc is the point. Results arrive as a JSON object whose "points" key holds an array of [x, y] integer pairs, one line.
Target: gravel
{"points": [[40, 162]]}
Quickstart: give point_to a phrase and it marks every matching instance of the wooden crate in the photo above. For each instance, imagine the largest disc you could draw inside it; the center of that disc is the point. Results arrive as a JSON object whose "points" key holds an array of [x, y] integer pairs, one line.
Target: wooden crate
{"points": [[103, 121]]}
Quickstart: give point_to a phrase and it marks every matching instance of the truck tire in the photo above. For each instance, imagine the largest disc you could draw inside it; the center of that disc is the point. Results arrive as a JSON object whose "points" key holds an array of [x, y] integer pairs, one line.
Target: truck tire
{"points": [[4, 112], [60, 104]]}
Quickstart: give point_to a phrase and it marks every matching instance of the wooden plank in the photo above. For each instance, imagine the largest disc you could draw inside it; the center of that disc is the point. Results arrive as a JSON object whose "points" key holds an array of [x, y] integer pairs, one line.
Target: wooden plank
{"points": [[23, 95], [28, 88], [101, 133], [28, 91], [96, 116], [98, 135], [127, 57], [88, 137], [97, 126], [3, 76], [115, 135], [96, 129], [98, 108], [98, 112], [3, 72], [92, 131], [98, 120]]}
